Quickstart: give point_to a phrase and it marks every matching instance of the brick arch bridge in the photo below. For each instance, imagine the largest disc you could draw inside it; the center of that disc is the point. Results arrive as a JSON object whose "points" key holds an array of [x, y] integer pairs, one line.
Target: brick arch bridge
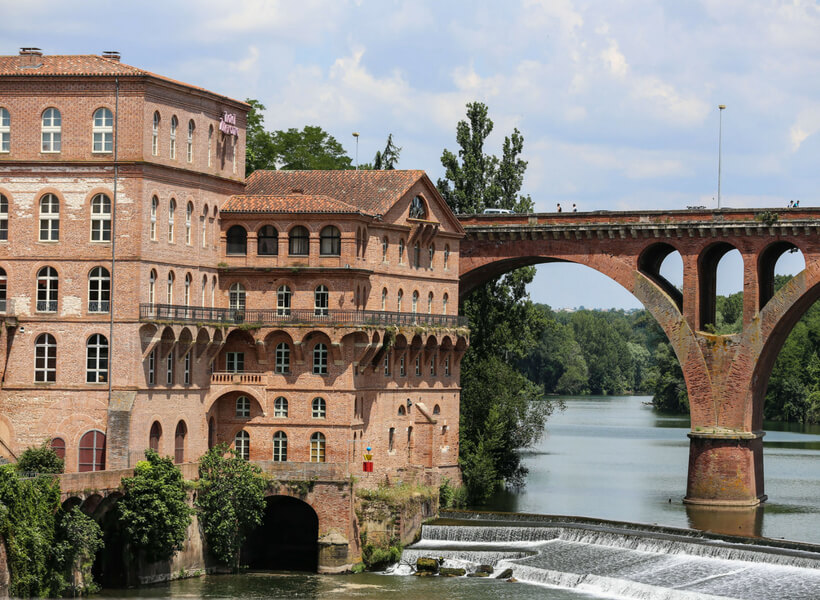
{"points": [[726, 375]]}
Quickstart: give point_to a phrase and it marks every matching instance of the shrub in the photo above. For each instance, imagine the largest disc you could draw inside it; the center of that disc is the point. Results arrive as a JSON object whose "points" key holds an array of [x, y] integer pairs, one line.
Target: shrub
{"points": [[79, 539], [40, 459]]}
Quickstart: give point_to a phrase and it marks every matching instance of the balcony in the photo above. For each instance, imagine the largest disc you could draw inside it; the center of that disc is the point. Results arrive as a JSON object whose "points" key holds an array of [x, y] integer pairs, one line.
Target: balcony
{"points": [[230, 378], [174, 313]]}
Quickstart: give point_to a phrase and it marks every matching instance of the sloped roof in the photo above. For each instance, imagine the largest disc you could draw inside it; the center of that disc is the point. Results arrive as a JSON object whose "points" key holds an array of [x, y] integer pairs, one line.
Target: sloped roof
{"points": [[370, 192], [83, 65], [291, 203]]}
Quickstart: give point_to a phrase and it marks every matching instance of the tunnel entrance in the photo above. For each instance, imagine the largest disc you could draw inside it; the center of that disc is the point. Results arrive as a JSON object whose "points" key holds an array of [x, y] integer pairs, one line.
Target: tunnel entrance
{"points": [[109, 569], [287, 538]]}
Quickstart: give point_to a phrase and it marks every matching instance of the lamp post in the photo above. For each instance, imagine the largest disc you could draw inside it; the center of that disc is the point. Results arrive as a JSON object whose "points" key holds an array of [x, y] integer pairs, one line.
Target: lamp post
{"points": [[721, 108], [356, 135]]}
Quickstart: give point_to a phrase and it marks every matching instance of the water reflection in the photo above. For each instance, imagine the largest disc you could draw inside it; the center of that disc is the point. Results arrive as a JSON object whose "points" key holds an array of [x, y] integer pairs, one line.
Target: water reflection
{"points": [[746, 522]]}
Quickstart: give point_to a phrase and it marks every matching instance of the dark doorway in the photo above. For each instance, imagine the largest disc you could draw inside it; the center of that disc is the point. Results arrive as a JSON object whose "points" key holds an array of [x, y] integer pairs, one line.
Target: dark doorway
{"points": [[287, 538], [109, 568]]}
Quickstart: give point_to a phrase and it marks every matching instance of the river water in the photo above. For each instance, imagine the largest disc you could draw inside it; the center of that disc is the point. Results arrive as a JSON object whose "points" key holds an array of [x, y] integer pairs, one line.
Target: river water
{"points": [[608, 458]]}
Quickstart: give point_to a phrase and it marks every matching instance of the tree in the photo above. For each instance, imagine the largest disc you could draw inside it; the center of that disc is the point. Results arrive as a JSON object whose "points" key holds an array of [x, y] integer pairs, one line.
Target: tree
{"points": [[387, 159], [154, 512], [230, 503], [40, 459], [259, 149], [309, 149], [79, 538]]}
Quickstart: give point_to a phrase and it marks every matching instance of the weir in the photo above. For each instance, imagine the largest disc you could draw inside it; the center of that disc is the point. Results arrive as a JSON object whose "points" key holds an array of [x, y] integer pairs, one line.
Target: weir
{"points": [[627, 560]]}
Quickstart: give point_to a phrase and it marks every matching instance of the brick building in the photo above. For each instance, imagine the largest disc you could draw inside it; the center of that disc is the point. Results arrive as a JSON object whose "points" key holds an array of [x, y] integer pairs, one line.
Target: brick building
{"points": [[153, 297]]}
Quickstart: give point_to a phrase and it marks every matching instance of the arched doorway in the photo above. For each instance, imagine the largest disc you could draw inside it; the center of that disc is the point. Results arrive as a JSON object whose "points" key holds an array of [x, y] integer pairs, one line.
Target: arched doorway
{"points": [[287, 538]]}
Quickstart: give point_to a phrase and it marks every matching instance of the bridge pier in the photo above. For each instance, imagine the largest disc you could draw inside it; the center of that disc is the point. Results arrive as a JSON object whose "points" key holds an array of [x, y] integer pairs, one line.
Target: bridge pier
{"points": [[725, 468]]}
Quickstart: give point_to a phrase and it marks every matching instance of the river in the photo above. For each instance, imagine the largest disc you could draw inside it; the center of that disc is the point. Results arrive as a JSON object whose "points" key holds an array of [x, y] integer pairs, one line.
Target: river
{"points": [[609, 458]]}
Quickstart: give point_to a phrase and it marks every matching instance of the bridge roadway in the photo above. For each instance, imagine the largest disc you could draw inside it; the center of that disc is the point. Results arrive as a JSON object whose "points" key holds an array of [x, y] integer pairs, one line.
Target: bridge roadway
{"points": [[726, 376]]}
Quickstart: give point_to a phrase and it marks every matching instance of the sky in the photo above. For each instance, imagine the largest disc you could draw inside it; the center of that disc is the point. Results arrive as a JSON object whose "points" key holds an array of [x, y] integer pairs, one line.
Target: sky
{"points": [[616, 100]]}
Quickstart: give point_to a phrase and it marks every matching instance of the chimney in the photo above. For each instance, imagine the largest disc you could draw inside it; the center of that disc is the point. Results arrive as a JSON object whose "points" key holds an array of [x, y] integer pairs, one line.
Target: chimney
{"points": [[31, 58], [111, 54]]}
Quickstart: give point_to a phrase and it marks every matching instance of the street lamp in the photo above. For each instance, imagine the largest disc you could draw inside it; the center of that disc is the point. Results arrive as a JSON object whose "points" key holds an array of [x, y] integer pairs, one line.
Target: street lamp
{"points": [[356, 135], [721, 108]]}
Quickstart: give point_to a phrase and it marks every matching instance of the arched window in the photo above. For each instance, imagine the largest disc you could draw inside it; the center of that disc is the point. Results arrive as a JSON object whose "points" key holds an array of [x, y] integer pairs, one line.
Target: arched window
{"points": [[179, 442], [92, 452], [172, 207], [100, 218], [58, 445], [203, 222], [384, 299], [280, 446], [155, 135], [237, 238], [236, 297], [49, 218], [99, 290], [417, 255], [320, 359], [436, 409], [103, 130], [317, 448], [213, 291], [45, 358], [319, 408], [210, 142], [430, 303], [4, 218], [280, 407], [169, 290], [267, 241], [152, 286], [174, 125], [52, 126], [243, 407], [190, 152], [398, 300], [415, 302], [321, 299], [189, 211], [283, 301], [330, 241], [385, 247], [402, 410], [242, 445], [3, 290], [47, 288], [446, 256], [154, 206], [444, 304], [282, 365], [401, 251], [299, 241], [391, 438], [432, 254], [204, 289], [5, 130], [154, 436], [187, 290]]}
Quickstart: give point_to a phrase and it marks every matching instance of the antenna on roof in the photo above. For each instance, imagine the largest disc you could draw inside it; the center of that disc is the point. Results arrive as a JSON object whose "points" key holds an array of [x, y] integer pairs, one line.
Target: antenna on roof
{"points": [[112, 54]]}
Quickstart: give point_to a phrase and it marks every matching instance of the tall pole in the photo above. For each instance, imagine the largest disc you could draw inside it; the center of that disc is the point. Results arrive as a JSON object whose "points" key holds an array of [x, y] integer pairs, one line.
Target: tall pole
{"points": [[356, 135], [721, 108]]}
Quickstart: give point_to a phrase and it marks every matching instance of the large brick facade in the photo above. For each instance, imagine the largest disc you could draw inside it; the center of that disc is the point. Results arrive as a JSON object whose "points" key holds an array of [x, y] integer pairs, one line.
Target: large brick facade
{"points": [[185, 368]]}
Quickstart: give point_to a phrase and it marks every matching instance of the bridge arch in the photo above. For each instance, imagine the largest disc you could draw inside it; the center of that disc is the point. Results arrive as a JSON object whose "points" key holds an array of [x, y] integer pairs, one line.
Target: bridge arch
{"points": [[287, 539]]}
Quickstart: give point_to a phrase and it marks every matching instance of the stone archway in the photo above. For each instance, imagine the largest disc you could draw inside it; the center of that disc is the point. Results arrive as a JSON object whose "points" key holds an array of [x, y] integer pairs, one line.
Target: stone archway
{"points": [[287, 539]]}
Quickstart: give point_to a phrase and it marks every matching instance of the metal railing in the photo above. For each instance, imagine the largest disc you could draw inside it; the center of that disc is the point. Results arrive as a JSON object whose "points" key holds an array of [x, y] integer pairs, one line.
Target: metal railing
{"points": [[46, 306], [272, 316]]}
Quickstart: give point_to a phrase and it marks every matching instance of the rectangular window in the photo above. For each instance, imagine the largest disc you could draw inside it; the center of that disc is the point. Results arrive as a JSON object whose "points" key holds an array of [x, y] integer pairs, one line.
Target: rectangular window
{"points": [[152, 367], [386, 364], [433, 365], [418, 365], [187, 371], [235, 362], [5, 130], [169, 369], [401, 367], [447, 366]]}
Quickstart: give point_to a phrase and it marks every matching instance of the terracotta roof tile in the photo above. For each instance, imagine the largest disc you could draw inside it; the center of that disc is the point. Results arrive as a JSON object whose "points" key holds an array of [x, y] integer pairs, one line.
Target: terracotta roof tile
{"points": [[83, 65], [371, 192], [291, 203]]}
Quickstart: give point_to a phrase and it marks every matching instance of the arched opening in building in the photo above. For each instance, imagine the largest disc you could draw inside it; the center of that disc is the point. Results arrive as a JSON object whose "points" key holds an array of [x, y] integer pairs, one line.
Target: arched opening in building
{"points": [[110, 569], [287, 539], [720, 272]]}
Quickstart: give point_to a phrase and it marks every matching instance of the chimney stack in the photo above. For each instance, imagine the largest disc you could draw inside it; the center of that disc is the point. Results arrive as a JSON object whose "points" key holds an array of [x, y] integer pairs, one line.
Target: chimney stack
{"points": [[112, 54], [31, 58]]}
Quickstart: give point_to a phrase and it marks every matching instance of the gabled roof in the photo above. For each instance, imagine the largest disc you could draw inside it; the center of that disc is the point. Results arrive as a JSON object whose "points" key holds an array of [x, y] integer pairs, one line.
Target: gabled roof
{"points": [[83, 65], [370, 192], [291, 203]]}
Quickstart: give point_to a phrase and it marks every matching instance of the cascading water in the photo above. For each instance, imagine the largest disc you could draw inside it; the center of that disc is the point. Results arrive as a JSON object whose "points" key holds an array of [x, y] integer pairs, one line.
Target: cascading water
{"points": [[625, 561]]}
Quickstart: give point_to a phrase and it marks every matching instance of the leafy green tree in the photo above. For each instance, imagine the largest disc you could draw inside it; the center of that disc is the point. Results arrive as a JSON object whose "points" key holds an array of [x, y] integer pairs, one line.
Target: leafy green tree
{"points": [[312, 148], [667, 383], [154, 512], [260, 152], [387, 159], [79, 538], [40, 459], [230, 502]]}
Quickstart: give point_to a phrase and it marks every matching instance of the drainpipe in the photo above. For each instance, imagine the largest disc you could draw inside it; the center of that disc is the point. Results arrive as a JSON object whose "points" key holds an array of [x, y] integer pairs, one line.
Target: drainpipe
{"points": [[111, 287]]}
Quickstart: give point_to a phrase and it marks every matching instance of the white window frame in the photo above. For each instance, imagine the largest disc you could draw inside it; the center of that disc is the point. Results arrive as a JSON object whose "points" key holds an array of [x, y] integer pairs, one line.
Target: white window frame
{"points": [[320, 359], [154, 207], [318, 447], [235, 362], [101, 218], [102, 131], [99, 290], [280, 447], [152, 287], [4, 218], [51, 127], [173, 138], [5, 130], [242, 444], [155, 134], [283, 298], [318, 408], [190, 147], [47, 371], [282, 364], [49, 218], [243, 407], [189, 210], [169, 289], [321, 301], [172, 208], [96, 359], [48, 290], [236, 297], [280, 407]]}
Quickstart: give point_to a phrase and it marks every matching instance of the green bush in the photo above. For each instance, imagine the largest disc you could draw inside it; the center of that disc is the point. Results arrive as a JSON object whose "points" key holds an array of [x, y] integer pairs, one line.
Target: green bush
{"points": [[40, 459], [451, 496], [378, 558], [79, 539]]}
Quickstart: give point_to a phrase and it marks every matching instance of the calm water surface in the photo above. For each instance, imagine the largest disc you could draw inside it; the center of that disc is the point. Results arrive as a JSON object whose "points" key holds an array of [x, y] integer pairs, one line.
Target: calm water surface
{"points": [[616, 458]]}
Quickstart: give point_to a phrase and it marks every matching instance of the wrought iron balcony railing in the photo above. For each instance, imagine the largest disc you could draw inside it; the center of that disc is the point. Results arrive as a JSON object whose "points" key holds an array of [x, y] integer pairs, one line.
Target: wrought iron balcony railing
{"points": [[264, 316]]}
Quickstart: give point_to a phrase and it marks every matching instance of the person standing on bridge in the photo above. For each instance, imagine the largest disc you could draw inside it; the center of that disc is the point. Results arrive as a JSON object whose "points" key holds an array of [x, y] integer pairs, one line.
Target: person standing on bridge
{"points": [[559, 207]]}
